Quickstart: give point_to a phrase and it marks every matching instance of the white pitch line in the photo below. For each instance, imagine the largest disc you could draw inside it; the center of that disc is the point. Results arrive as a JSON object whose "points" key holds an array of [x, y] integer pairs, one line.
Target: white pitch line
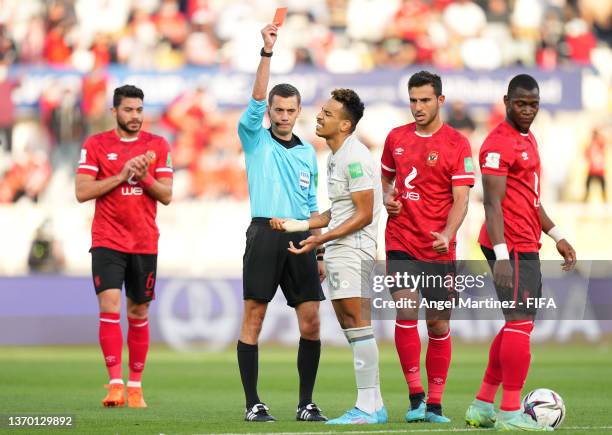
{"points": [[473, 430], [351, 432]]}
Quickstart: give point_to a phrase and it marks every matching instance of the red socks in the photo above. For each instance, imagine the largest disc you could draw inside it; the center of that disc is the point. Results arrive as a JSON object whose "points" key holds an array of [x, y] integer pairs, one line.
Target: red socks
{"points": [[408, 345], [138, 345], [111, 342], [493, 374], [515, 357], [437, 363], [509, 359]]}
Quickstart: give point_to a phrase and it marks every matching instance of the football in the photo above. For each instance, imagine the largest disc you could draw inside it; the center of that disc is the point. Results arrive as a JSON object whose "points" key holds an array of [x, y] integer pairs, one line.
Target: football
{"points": [[545, 406]]}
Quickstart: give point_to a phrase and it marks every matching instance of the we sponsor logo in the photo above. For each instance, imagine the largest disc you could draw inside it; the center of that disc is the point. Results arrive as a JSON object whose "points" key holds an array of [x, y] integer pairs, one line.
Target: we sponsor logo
{"points": [[413, 196], [131, 191]]}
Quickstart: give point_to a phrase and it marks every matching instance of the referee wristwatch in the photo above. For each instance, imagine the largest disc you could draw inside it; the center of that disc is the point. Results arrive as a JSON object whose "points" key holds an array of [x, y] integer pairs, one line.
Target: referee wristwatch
{"points": [[264, 53]]}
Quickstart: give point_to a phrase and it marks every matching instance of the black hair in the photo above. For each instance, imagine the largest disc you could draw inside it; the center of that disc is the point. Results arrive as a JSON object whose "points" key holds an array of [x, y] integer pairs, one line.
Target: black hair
{"points": [[284, 90], [423, 78], [351, 103], [523, 81], [126, 91]]}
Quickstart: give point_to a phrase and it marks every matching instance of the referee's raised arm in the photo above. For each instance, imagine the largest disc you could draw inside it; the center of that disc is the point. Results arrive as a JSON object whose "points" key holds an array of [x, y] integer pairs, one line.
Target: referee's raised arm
{"points": [[260, 87], [250, 124]]}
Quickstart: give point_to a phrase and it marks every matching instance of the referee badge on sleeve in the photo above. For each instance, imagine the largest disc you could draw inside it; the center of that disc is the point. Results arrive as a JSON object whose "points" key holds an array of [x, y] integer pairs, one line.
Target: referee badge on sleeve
{"points": [[304, 180]]}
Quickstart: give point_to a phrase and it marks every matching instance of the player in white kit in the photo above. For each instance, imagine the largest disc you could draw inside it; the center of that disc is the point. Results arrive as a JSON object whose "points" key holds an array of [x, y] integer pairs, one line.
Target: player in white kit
{"points": [[355, 192]]}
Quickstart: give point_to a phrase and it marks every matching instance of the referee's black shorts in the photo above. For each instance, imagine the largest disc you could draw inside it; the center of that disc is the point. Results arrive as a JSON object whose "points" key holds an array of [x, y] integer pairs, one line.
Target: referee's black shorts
{"points": [[526, 278], [267, 264]]}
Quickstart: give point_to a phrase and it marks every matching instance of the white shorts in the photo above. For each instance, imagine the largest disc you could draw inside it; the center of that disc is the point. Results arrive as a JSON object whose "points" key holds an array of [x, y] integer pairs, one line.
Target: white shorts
{"points": [[348, 271]]}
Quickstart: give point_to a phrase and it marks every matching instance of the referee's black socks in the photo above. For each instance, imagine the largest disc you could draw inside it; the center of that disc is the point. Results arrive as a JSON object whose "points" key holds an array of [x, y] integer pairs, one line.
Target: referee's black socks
{"points": [[309, 353], [248, 356]]}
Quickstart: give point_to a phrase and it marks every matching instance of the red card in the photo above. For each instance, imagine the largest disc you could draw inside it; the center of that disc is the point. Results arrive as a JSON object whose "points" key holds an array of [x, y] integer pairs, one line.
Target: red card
{"points": [[279, 16]]}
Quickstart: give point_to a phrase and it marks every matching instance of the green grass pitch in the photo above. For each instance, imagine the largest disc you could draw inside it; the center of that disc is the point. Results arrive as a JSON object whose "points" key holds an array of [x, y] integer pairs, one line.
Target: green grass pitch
{"points": [[195, 393]]}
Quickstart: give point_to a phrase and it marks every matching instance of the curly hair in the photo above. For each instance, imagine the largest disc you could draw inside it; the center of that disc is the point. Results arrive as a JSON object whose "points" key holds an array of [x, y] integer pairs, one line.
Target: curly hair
{"points": [[351, 103]]}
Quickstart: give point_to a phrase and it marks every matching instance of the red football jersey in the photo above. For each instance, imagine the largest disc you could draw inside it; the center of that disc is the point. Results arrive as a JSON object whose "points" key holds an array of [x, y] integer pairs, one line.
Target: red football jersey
{"points": [[125, 217], [508, 152], [425, 168]]}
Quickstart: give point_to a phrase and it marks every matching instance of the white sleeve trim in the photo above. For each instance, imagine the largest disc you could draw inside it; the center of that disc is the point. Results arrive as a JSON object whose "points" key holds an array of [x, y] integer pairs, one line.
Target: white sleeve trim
{"points": [[93, 168], [387, 168], [455, 177], [164, 170]]}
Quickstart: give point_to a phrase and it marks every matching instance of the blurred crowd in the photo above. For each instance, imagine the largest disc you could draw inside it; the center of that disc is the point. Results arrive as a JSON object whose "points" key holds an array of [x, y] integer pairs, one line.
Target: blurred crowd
{"points": [[342, 36], [346, 35]]}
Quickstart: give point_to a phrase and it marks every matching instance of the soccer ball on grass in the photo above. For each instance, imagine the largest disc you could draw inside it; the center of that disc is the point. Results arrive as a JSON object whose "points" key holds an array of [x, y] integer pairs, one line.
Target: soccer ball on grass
{"points": [[545, 406]]}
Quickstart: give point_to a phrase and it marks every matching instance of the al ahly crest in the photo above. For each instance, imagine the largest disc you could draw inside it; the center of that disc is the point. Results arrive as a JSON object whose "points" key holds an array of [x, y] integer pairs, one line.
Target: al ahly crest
{"points": [[432, 159]]}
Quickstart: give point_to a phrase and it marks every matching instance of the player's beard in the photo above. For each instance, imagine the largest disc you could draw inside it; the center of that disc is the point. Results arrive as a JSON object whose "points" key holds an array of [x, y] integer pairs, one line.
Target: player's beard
{"points": [[125, 126]]}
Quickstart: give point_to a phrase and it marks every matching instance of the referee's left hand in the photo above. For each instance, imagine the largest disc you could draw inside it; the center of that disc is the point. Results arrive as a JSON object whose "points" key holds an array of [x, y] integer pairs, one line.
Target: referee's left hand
{"points": [[307, 245]]}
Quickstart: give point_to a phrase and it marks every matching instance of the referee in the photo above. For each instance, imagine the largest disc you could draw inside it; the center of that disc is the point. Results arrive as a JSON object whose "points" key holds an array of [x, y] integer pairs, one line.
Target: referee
{"points": [[282, 175]]}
